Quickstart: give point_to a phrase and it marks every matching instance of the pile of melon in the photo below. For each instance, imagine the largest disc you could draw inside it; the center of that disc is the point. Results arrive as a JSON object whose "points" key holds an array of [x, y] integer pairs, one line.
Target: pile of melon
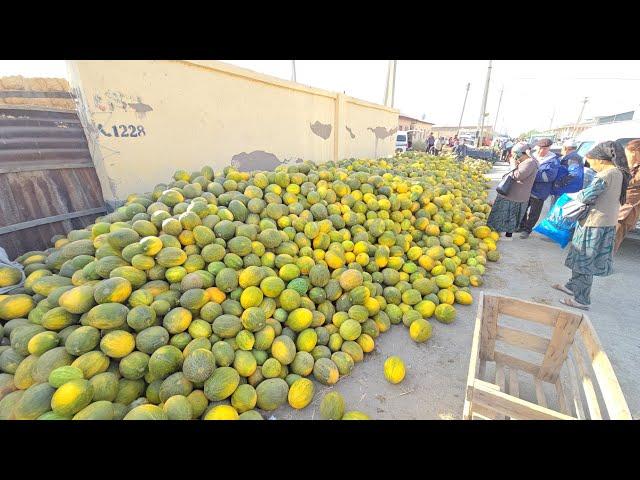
{"points": [[227, 295]]}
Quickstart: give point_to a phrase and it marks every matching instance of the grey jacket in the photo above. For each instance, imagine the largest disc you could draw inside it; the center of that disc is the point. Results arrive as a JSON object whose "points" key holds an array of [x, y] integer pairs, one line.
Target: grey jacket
{"points": [[524, 176]]}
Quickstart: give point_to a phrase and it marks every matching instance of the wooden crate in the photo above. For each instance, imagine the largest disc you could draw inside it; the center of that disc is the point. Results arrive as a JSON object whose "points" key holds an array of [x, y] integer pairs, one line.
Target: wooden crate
{"points": [[516, 371]]}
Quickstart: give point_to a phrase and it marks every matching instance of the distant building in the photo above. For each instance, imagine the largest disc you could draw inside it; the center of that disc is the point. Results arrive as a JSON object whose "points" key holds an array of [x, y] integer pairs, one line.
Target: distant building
{"points": [[572, 130], [423, 127], [446, 132]]}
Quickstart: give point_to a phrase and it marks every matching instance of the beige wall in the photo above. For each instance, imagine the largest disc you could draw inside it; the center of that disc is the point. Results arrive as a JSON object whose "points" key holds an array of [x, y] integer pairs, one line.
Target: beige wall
{"points": [[197, 113]]}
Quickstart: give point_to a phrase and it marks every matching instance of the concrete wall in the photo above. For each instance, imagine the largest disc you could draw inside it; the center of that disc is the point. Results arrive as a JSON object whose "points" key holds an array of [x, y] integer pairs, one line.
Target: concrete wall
{"points": [[145, 119]]}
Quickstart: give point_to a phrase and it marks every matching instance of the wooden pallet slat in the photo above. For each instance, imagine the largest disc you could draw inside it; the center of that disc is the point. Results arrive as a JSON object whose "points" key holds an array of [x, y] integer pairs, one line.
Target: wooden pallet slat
{"points": [[473, 363], [614, 400], [575, 390], [562, 400], [489, 327], [587, 385], [521, 339], [534, 312], [561, 340], [518, 363], [540, 396], [512, 406], [500, 382]]}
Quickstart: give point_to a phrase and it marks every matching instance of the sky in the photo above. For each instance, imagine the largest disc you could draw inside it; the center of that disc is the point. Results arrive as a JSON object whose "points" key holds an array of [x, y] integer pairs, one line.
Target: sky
{"points": [[536, 94]]}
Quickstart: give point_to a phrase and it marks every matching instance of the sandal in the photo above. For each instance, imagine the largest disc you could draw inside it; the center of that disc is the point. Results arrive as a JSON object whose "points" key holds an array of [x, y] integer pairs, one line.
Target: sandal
{"points": [[563, 289], [570, 303]]}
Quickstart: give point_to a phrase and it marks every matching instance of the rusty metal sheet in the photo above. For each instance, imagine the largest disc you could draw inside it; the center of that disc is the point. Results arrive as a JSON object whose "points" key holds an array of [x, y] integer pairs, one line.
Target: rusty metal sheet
{"points": [[45, 171]]}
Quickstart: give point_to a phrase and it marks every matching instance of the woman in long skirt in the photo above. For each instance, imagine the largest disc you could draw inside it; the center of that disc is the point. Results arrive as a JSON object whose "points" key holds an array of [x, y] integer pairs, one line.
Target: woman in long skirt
{"points": [[507, 210], [591, 248]]}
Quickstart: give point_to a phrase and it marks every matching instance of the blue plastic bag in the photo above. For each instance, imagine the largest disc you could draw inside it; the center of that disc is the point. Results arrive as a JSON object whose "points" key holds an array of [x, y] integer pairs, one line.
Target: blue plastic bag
{"points": [[554, 226]]}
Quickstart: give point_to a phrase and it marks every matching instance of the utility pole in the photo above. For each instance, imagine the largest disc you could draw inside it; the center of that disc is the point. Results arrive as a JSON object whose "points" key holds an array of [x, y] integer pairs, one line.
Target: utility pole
{"points": [[293, 70], [584, 103], [552, 117], [389, 92], [484, 105], [463, 105], [495, 121]]}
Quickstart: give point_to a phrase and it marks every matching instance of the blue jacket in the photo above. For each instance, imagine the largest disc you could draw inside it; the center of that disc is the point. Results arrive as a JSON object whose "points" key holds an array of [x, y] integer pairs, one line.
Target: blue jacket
{"points": [[570, 175], [547, 173]]}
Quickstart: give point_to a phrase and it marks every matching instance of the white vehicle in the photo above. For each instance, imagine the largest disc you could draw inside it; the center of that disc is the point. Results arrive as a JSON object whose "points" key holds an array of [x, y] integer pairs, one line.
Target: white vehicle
{"points": [[468, 139], [402, 142], [623, 132]]}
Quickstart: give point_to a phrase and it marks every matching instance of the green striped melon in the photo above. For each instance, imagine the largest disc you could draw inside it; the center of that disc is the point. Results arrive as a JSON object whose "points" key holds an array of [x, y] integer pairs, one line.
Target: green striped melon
{"points": [[105, 386], [325, 371], [78, 299], [72, 397], [178, 407], [36, 401], [164, 361], [23, 378], [332, 406], [58, 318], [301, 393], [175, 384], [134, 366], [244, 398], [112, 290], [107, 316], [152, 338], [92, 363], [146, 412], [302, 364], [82, 340], [199, 365], [271, 393], [99, 410], [117, 344], [62, 375], [221, 384]]}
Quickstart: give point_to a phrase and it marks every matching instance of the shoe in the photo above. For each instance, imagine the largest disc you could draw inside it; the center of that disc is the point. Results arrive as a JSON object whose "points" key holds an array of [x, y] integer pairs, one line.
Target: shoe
{"points": [[524, 235], [571, 303]]}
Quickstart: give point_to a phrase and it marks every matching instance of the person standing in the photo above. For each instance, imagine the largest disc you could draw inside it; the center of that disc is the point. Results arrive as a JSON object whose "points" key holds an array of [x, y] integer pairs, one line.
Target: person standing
{"points": [[506, 150], [630, 211], [437, 146], [570, 177], [548, 165], [591, 249], [430, 142], [507, 211], [460, 150]]}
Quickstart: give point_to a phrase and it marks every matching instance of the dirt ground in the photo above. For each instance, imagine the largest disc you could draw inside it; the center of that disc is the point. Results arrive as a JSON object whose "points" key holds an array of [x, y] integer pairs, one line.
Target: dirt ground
{"points": [[436, 370]]}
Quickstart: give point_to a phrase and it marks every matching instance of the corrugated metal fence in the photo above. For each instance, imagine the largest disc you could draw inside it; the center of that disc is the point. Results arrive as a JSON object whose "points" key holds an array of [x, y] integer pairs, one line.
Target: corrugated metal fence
{"points": [[48, 184]]}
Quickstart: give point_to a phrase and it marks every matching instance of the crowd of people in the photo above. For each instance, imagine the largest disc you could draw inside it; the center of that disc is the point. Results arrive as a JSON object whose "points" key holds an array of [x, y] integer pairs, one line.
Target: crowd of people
{"points": [[607, 180]]}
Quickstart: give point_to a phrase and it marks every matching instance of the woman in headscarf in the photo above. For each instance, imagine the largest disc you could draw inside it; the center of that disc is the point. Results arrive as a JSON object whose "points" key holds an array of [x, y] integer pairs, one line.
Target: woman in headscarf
{"points": [[507, 211], [630, 211], [591, 248]]}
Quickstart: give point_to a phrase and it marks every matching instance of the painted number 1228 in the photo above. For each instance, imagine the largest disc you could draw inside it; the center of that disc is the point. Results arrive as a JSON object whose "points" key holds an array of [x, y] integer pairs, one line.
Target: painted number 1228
{"points": [[122, 131]]}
